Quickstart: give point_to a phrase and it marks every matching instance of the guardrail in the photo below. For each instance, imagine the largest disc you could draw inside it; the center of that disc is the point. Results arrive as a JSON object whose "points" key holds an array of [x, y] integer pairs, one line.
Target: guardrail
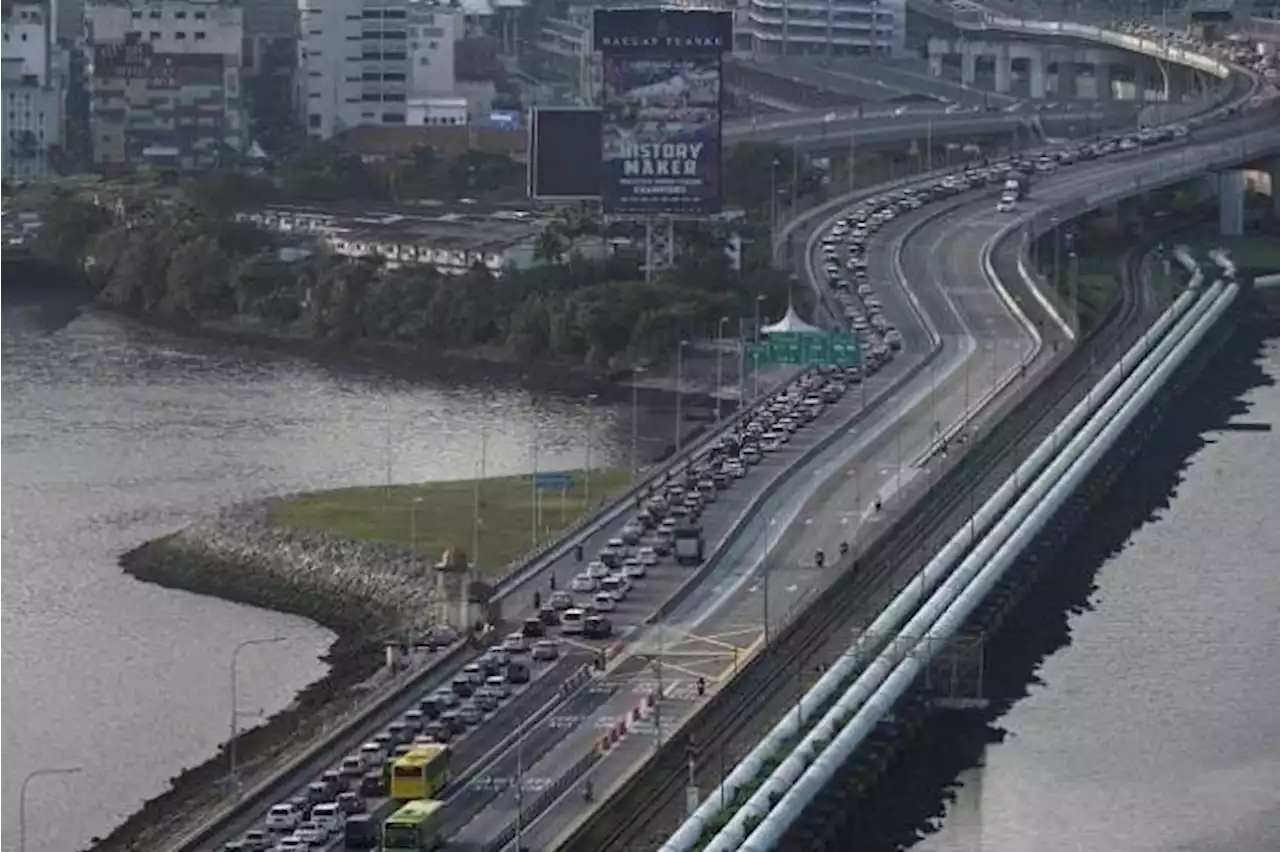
{"points": [[1089, 32], [544, 800], [894, 616], [456, 655], [921, 649]]}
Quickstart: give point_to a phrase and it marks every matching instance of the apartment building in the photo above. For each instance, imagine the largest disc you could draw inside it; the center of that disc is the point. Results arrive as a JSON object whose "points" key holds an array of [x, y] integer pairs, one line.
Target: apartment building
{"points": [[164, 83], [33, 91], [379, 62]]}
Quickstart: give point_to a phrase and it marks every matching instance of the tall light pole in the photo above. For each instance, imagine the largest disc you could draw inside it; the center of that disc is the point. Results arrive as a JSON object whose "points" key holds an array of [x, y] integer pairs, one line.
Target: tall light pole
{"points": [[22, 798], [680, 393], [586, 488], [635, 421], [235, 709], [719, 362], [413, 522]]}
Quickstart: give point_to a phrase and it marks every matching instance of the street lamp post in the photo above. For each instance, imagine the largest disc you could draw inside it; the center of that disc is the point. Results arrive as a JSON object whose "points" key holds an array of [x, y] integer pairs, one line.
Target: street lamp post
{"points": [[635, 421], [413, 522], [586, 489], [235, 709], [719, 362], [22, 798], [680, 393]]}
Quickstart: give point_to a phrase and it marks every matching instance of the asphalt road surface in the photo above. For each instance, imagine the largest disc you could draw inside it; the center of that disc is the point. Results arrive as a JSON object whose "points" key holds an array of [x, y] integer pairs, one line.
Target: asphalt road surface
{"points": [[720, 624]]}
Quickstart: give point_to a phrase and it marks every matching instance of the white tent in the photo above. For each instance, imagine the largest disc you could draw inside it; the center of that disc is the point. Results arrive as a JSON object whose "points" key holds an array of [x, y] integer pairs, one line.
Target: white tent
{"points": [[791, 323]]}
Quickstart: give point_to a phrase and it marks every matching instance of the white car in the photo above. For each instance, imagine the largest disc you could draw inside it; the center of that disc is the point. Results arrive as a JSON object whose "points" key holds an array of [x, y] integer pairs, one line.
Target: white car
{"points": [[330, 816], [282, 817], [515, 643], [292, 843], [596, 570], [583, 583], [311, 833], [633, 568], [604, 602], [646, 556], [1005, 206]]}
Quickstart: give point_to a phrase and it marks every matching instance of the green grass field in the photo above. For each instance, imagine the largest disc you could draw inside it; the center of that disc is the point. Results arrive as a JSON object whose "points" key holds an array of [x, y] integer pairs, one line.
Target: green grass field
{"points": [[437, 516]]}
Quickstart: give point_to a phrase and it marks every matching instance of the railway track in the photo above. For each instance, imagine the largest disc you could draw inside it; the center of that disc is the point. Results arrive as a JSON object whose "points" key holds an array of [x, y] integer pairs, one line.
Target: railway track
{"points": [[649, 807]]}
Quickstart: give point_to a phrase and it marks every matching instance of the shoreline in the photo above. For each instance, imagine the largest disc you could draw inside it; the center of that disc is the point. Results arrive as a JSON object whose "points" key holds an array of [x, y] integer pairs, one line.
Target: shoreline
{"points": [[238, 556]]}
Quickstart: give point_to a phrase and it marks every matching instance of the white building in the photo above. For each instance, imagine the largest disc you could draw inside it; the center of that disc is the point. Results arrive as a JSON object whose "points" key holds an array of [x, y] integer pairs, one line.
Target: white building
{"points": [[164, 82], [824, 27], [33, 90], [365, 64]]}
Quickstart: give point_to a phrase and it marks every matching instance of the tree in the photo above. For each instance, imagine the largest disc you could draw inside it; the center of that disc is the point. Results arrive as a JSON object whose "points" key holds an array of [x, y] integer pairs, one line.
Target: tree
{"points": [[550, 247], [68, 226]]}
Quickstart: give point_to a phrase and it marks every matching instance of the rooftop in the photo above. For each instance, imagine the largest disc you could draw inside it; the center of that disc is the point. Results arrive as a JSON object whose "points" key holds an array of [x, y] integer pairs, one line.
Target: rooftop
{"points": [[446, 225]]}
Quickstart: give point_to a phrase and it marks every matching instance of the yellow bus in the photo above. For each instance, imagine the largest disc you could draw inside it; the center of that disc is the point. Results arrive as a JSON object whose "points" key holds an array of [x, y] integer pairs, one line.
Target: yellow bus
{"points": [[420, 774], [415, 827]]}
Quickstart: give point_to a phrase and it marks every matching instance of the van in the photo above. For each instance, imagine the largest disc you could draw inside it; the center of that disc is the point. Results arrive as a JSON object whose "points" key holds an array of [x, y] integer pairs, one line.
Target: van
{"points": [[329, 816], [571, 621]]}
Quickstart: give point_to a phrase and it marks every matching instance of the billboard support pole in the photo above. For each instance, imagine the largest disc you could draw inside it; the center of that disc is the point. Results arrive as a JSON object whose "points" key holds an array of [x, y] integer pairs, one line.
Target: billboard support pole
{"points": [[648, 251]]}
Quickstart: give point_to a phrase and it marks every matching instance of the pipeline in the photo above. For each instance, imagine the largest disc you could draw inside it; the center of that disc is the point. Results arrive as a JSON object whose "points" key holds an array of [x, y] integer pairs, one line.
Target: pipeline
{"points": [[820, 773], [873, 678], [934, 573]]}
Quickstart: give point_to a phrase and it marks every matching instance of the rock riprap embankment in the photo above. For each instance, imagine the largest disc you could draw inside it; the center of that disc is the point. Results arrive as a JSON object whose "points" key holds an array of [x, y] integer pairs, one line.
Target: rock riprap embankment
{"points": [[380, 592], [367, 593]]}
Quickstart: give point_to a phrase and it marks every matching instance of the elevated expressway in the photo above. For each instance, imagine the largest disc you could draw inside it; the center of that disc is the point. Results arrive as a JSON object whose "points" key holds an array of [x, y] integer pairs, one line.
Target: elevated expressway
{"points": [[942, 257], [962, 340]]}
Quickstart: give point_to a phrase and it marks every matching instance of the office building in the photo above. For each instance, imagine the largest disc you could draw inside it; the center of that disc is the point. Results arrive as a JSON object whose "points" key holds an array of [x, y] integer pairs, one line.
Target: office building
{"points": [[33, 91], [164, 83], [823, 27], [380, 63]]}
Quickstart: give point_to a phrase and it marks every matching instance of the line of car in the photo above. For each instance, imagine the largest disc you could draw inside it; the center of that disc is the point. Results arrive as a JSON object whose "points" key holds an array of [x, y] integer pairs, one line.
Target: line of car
{"points": [[314, 817]]}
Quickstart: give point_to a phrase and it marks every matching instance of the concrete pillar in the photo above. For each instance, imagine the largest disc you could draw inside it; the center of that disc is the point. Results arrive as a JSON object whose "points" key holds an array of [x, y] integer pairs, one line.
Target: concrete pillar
{"points": [[1231, 203], [1004, 71], [1068, 90], [968, 65], [1036, 72]]}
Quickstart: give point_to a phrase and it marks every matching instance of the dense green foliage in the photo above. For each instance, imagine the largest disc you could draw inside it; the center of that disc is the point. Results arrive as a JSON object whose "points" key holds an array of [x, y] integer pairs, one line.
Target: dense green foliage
{"points": [[188, 266]]}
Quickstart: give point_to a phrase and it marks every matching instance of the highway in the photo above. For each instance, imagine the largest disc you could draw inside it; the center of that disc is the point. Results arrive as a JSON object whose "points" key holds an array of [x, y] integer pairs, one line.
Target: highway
{"points": [[845, 127], [711, 633]]}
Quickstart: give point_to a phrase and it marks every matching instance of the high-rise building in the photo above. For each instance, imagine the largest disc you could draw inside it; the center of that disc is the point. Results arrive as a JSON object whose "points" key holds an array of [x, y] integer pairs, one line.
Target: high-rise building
{"points": [[824, 27], [164, 83], [379, 62]]}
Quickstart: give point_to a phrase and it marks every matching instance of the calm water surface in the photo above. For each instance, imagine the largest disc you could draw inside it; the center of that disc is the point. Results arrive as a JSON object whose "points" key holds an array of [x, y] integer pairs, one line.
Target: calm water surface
{"points": [[114, 435], [1158, 727]]}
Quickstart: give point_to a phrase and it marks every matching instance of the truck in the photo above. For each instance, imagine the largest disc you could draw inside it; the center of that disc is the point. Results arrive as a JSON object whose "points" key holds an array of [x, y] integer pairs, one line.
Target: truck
{"points": [[688, 546]]}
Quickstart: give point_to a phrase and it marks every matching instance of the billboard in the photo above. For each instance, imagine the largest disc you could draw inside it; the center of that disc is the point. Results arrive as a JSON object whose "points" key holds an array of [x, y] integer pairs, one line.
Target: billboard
{"points": [[661, 106], [564, 154]]}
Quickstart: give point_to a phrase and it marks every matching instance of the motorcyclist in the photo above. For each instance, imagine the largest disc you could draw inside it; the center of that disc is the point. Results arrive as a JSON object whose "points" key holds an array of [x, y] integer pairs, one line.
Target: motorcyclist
{"points": [[588, 791], [819, 558], [844, 548]]}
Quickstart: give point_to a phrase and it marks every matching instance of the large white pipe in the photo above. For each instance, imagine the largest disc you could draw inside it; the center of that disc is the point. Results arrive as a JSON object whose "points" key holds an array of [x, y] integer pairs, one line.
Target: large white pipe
{"points": [[785, 775], [905, 603], [771, 830]]}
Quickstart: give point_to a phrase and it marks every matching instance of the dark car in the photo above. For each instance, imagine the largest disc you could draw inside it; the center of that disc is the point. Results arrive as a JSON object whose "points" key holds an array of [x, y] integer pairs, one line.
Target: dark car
{"points": [[350, 803], [596, 627], [518, 672], [372, 786], [360, 832], [533, 628]]}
